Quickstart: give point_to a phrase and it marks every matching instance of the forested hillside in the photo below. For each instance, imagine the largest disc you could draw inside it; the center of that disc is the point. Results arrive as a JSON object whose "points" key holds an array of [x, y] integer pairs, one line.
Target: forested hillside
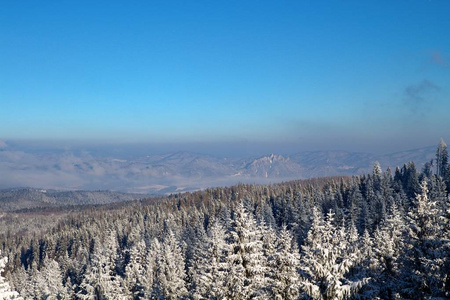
{"points": [[23, 199], [385, 235]]}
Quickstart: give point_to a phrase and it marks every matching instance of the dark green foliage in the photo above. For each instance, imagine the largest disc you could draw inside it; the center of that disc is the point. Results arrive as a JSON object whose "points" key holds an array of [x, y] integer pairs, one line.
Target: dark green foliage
{"points": [[441, 159]]}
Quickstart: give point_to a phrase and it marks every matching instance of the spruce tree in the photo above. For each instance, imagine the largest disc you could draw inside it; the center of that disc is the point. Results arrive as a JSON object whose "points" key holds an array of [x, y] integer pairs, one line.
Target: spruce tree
{"points": [[6, 292], [285, 265], [139, 272], [388, 248], [326, 260], [170, 274], [441, 159], [245, 261], [425, 257], [100, 280], [52, 286], [209, 271]]}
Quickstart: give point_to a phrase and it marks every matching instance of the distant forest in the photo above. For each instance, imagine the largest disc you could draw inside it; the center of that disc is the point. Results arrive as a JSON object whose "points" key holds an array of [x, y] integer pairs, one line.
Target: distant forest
{"points": [[384, 235]]}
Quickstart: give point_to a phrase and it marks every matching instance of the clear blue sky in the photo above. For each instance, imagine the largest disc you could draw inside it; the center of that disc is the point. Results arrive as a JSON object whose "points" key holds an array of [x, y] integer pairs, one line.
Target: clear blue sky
{"points": [[317, 74]]}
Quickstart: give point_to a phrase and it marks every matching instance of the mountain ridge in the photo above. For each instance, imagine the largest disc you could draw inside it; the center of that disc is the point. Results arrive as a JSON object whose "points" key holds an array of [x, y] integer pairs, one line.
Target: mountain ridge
{"points": [[185, 171]]}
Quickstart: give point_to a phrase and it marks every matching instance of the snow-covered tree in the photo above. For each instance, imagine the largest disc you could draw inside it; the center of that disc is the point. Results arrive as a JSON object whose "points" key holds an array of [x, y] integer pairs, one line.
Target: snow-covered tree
{"points": [[441, 159], [389, 241], [5, 290], [326, 260], [246, 261], [100, 280], [353, 237], [387, 249], [425, 249], [35, 284], [285, 264], [377, 172], [269, 240], [19, 281], [170, 275], [210, 270], [446, 243], [139, 272], [52, 286]]}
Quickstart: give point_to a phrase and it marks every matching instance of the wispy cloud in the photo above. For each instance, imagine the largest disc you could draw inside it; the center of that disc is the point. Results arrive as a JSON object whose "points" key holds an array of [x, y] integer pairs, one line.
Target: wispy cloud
{"points": [[439, 58], [3, 144], [419, 98]]}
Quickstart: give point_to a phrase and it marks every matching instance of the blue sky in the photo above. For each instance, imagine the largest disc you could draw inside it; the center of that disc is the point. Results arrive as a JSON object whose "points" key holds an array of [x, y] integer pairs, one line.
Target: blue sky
{"points": [[353, 75]]}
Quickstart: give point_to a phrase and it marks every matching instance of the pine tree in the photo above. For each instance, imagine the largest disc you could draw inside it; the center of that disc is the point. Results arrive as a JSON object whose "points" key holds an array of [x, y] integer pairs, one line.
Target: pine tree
{"points": [[19, 280], [209, 272], [411, 183], [101, 280], [35, 283], [425, 254], [139, 272], [437, 191], [170, 274], [441, 159], [358, 208], [367, 267], [326, 260], [285, 264], [246, 261], [428, 169], [5, 290], [52, 278], [269, 240], [377, 172], [388, 248], [445, 239], [447, 178]]}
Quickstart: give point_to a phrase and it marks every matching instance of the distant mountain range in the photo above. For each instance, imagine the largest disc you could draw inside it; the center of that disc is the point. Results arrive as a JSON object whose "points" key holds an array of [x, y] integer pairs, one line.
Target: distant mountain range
{"points": [[184, 171]]}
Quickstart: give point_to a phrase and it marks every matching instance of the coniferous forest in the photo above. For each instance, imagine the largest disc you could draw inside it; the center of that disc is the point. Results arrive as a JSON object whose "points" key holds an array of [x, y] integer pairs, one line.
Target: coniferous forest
{"points": [[384, 235]]}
